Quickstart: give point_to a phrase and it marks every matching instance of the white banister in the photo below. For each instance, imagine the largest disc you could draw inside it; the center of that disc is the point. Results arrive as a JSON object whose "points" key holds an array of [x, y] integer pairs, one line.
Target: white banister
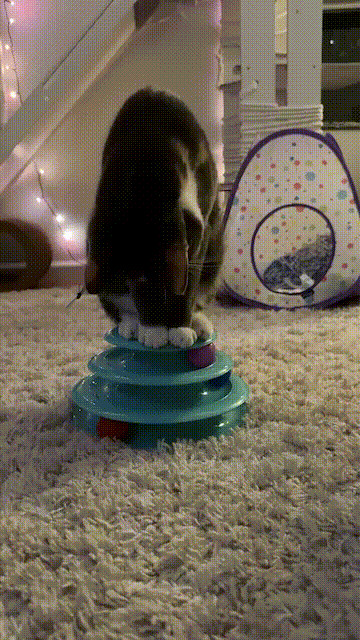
{"points": [[256, 46], [2, 34], [50, 102], [257, 49], [304, 46]]}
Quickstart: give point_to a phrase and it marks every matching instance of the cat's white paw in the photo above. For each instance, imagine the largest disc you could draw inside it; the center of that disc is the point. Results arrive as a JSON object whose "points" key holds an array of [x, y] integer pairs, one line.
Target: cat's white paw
{"points": [[202, 325], [182, 337], [128, 327], [153, 336]]}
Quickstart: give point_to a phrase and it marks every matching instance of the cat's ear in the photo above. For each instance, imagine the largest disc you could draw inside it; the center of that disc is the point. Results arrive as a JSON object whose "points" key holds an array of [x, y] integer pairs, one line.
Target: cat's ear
{"points": [[92, 280], [177, 268]]}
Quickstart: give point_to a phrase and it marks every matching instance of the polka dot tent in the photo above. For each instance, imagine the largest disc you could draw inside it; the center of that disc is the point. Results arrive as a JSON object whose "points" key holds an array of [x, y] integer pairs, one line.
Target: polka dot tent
{"points": [[292, 224]]}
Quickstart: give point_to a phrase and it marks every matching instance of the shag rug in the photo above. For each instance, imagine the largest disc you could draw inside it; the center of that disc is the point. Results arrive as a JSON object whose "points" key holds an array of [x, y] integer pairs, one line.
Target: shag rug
{"points": [[252, 536]]}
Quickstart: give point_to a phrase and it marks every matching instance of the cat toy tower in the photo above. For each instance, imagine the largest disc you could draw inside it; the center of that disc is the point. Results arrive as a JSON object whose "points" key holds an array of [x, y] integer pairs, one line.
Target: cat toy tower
{"points": [[143, 395]]}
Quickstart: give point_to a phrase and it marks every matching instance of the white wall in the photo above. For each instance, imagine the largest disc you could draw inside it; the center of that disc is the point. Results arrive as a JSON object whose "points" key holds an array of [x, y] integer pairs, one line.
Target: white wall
{"points": [[180, 56], [42, 34]]}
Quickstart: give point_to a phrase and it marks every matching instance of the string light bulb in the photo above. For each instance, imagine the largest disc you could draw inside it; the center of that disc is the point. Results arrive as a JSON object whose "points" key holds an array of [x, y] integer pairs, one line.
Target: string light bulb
{"points": [[68, 234]]}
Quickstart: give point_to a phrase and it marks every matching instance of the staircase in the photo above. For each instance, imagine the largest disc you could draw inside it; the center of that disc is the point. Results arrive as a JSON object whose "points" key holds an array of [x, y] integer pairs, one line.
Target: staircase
{"points": [[45, 108]]}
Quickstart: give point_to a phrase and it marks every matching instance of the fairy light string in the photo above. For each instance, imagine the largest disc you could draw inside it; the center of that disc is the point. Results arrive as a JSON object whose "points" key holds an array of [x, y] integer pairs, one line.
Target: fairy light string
{"points": [[14, 94], [9, 48], [13, 98]]}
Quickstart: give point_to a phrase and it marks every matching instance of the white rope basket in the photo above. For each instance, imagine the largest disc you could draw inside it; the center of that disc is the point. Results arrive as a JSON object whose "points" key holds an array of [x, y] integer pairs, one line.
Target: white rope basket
{"points": [[255, 40], [254, 122]]}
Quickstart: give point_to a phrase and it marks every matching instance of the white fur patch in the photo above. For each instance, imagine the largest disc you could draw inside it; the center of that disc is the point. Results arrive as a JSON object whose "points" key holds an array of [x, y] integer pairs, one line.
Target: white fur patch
{"points": [[182, 337], [128, 327], [153, 336], [202, 325], [124, 303]]}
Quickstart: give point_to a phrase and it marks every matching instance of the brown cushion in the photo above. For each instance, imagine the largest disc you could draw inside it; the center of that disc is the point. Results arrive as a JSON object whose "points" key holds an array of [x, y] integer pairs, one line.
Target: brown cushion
{"points": [[37, 249]]}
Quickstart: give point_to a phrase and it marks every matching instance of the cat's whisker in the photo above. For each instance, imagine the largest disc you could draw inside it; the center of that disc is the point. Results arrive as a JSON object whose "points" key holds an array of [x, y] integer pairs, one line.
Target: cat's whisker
{"points": [[207, 262], [199, 267]]}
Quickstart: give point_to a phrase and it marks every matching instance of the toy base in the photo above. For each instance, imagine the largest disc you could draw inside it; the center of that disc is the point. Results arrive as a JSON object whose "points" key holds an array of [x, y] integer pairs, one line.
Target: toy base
{"points": [[147, 436], [143, 396]]}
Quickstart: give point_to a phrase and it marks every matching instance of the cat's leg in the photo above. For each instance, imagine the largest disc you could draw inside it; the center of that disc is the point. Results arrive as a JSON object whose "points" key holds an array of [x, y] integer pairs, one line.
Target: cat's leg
{"points": [[210, 273], [182, 337], [202, 325], [153, 336], [122, 310], [128, 327], [149, 301], [160, 336], [166, 312], [179, 319]]}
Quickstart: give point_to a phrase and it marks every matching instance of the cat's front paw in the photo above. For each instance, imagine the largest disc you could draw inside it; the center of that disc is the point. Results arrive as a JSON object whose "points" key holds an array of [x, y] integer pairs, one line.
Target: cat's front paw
{"points": [[153, 336], [128, 327], [182, 337], [202, 325]]}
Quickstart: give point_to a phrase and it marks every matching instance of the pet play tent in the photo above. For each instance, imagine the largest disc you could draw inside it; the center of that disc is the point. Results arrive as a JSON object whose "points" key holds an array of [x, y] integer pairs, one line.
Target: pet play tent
{"points": [[292, 224], [292, 219]]}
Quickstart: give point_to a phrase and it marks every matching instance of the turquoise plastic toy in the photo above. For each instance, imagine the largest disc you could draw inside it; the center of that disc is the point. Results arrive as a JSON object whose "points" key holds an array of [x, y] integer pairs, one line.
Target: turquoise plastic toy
{"points": [[143, 395]]}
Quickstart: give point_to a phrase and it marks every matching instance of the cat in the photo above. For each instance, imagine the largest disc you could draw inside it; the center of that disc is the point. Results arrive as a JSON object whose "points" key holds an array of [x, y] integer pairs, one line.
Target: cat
{"points": [[155, 238]]}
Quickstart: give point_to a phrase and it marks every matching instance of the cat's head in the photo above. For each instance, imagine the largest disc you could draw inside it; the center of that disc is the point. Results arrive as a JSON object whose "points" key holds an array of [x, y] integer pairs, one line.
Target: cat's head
{"points": [[169, 266]]}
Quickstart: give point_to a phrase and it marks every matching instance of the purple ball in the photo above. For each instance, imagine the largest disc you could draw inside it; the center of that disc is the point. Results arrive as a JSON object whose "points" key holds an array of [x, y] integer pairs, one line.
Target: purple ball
{"points": [[202, 357]]}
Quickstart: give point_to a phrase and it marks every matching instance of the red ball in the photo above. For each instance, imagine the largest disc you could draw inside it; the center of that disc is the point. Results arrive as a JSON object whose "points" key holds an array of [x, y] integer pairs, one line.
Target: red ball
{"points": [[112, 428], [203, 356]]}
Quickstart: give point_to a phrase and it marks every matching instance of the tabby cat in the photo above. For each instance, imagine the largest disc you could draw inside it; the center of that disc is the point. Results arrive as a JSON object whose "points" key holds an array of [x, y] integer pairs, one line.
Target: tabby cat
{"points": [[155, 239]]}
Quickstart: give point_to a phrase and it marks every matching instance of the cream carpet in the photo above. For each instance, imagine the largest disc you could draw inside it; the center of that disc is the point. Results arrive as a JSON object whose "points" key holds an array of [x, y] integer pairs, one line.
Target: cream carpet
{"points": [[255, 536]]}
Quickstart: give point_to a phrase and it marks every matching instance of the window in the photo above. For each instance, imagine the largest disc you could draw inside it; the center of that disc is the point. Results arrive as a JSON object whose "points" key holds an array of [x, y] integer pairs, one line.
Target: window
{"points": [[341, 68]]}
